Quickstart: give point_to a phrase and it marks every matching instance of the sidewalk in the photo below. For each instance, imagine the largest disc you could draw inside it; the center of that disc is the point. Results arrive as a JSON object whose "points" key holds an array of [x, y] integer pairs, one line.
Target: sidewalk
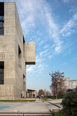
{"points": [[25, 107], [56, 103]]}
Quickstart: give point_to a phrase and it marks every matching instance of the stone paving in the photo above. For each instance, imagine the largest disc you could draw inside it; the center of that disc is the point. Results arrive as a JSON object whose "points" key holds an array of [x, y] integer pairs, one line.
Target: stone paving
{"points": [[24, 107], [29, 107]]}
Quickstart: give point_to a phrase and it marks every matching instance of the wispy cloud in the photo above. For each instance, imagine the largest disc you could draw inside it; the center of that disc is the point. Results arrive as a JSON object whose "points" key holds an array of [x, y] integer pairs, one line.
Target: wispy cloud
{"points": [[29, 17], [30, 68], [65, 1], [41, 42], [53, 30], [67, 30], [40, 65]]}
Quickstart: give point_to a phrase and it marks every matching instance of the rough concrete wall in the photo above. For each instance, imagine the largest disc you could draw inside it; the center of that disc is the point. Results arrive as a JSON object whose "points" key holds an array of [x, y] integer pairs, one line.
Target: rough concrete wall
{"points": [[30, 52], [20, 62], [7, 52]]}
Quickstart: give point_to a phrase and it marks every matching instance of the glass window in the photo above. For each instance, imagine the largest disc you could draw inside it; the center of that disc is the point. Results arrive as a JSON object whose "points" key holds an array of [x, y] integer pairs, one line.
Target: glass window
{"points": [[1, 18]]}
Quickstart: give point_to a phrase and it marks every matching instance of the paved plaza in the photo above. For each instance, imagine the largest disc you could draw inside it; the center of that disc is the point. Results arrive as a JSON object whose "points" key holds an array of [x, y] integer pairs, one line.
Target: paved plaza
{"points": [[24, 107], [28, 107]]}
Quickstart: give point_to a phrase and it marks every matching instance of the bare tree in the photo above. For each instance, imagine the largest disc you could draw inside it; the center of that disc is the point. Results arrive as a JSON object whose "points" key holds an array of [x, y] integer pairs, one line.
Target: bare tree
{"points": [[41, 92], [47, 93], [57, 86]]}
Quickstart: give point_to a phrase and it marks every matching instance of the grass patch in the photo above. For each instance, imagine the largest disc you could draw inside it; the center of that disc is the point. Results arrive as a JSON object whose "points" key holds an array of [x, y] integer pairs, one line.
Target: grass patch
{"points": [[44, 99], [23, 100], [59, 113]]}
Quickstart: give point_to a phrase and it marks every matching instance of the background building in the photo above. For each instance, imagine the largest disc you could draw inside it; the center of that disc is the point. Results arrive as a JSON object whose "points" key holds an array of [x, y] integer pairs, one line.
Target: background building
{"points": [[15, 53], [70, 84], [31, 93]]}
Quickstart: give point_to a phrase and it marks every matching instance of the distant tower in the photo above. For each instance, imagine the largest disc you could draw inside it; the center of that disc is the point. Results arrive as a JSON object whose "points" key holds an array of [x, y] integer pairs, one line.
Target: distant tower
{"points": [[15, 53]]}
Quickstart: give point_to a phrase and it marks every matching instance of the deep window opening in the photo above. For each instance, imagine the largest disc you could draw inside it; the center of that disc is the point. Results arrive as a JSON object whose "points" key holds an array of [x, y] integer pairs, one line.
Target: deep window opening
{"points": [[1, 72], [24, 82], [23, 40], [1, 18], [19, 57], [23, 47]]}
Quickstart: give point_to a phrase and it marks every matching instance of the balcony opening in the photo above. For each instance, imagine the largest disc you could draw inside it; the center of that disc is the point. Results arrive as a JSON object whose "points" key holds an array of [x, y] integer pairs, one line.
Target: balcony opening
{"points": [[1, 72]]}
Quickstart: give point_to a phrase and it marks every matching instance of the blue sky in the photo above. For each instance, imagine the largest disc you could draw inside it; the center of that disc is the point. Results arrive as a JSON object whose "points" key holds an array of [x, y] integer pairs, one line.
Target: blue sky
{"points": [[52, 25]]}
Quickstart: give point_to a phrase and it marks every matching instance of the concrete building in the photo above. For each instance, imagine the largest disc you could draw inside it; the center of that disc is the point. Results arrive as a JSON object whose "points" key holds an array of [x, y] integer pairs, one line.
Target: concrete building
{"points": [[70, 84], [31, 93], [15, 53]]}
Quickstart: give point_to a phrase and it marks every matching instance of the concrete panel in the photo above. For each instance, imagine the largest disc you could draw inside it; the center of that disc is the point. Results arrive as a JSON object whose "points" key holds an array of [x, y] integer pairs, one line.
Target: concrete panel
{"points": [[9, 56], [9, 31], [1, 47], [1, 56], [10, 22], [1, 40], [30, 53], [6, 92], [9, 10], [9, 40], [9, 48]]}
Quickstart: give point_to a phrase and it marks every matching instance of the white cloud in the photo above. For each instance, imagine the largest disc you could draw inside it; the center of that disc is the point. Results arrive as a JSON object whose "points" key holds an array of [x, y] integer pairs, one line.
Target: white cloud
{"points": [[65, 1], [53, 30], [58, 49], [41, 42], [33, 11], [28, 24], [75, 17], [30, 68], [46, 46], [67, 30], [40, 65]]}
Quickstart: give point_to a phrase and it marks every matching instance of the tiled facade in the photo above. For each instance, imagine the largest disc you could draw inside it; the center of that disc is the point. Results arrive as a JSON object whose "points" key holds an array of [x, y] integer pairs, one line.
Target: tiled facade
{"points": [[15, 53]]}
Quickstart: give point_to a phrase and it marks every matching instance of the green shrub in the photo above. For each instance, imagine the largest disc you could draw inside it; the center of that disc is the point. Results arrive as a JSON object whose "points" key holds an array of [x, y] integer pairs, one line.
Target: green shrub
{"points": [[51, 97], [59, 113], [69, 104], [58, 97], [61, 96]]}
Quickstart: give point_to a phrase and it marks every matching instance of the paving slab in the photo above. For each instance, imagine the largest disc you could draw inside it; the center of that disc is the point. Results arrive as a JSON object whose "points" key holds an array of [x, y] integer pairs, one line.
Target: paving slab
{"points": [[56, 103], [24, 107]]}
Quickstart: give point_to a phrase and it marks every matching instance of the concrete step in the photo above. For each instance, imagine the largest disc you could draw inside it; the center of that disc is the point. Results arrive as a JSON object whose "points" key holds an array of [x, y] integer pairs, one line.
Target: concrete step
{"points": [[25, 114]]}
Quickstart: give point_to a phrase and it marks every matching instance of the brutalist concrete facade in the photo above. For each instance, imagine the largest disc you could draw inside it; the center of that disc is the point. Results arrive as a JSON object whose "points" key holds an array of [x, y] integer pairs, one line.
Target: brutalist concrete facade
{"points": [[15, 53]]}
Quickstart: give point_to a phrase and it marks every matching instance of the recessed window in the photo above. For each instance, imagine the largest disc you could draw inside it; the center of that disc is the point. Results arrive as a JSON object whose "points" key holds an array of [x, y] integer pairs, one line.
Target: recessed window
{"points": [[19, 57], [1, 18], [19, 50], [23, 40], [23, 82], [1, 72]]}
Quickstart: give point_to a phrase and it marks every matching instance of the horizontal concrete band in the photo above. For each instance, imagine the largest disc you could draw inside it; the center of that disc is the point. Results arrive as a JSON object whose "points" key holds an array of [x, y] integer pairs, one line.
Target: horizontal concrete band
{"points": [[26, 113]]}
